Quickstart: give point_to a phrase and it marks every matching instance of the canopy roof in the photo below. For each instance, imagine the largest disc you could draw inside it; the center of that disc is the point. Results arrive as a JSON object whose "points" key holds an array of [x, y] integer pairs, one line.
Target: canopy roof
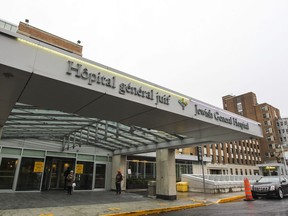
{"points": [[111, 109], [26, 121]]}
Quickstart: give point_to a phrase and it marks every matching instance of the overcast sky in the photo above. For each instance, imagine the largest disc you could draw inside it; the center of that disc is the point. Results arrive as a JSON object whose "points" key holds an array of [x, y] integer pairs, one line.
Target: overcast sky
{"points": [[203, 49]]}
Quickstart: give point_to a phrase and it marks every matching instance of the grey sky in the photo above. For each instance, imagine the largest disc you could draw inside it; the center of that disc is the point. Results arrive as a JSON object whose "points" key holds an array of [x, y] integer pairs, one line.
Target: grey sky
{"points": [[204, 49]]}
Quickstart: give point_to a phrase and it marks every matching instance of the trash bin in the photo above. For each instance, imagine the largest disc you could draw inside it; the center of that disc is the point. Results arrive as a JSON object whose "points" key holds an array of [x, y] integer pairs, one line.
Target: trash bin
{"points": [[152, 188], [182, 186]]}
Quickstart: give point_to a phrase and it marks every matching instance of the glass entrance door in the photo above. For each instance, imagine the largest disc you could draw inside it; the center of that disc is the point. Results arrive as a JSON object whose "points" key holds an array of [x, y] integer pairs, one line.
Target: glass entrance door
{"points": [[55, 175], [54, 172], [100, 176], [7, 172]]}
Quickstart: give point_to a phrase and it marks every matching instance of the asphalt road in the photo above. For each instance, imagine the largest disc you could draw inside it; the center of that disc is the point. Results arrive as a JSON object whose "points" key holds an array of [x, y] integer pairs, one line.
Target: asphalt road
{"points": [[263, 207]]}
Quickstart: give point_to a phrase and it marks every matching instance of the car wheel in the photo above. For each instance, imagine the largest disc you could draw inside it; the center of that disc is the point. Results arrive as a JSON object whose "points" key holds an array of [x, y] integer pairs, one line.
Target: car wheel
{"points": [[280, 193]]}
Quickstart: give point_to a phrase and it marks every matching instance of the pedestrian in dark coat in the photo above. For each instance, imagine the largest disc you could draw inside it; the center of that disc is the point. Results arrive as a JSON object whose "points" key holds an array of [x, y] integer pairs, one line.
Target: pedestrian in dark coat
{"points": [[66, 173], [118, 181]]}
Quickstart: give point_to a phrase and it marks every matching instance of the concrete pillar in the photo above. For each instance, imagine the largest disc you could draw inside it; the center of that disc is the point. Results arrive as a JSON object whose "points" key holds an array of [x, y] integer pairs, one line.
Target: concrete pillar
{"points": [[165, 174], [119, 162], [1, 130]]}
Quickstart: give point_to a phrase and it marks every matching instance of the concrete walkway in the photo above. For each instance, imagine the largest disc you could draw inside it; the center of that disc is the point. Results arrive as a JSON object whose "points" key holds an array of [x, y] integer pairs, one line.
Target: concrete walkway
{"points": [[57, 203]]}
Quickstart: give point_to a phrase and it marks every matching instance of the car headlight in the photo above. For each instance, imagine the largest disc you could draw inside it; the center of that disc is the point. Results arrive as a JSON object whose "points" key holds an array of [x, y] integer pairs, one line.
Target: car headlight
{"points": [[272, 187]]}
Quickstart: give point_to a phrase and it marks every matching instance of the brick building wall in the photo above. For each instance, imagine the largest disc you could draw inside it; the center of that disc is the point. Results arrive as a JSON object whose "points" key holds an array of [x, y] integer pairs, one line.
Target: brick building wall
{"points": [[247, 105], [38, 34]]}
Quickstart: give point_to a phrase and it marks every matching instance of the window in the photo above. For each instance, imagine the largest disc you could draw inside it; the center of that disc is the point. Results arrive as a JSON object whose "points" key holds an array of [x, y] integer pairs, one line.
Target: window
{"points": [[239, 107], [264, 108], [267, 123]]}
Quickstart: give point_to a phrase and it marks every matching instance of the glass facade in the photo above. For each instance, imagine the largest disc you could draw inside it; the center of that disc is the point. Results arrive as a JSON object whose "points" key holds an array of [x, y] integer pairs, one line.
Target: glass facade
{"points": [[28, 173], [36, 170], [29, 177], [140, 171], [7, 172], [84, 177]]}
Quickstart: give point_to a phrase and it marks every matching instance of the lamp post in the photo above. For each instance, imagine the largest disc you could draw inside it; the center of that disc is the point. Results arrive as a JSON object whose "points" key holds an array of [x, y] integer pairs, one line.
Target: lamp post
{"points": [[200, 159], [283, 157]]}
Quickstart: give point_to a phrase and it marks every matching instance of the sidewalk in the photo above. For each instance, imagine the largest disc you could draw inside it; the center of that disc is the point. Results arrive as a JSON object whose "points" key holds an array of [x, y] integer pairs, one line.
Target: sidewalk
{"points": [[57, 203]]}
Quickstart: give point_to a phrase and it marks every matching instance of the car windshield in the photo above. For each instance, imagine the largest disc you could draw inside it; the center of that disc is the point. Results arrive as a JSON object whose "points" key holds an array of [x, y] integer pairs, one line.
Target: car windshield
{"points": [[266, 179]]}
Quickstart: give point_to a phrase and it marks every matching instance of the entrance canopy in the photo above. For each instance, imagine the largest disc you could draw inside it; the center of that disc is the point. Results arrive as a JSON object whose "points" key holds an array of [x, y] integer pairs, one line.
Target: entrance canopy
{"points": [[74, 130], [48, 93]]}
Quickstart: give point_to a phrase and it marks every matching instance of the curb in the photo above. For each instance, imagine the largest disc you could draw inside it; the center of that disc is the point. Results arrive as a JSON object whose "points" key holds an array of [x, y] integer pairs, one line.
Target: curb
{"points": [[230, 199], [155, 211]]}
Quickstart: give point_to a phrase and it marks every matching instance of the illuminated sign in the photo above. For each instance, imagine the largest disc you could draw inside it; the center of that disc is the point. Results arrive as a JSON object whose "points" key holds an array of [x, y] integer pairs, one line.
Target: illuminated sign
{"points": [[220, 117], [270, 167], [124, 88]]}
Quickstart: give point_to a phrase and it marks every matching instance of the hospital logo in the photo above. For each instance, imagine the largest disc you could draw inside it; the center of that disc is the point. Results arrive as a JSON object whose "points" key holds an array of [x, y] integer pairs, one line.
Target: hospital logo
{"points": [[183, 103]]}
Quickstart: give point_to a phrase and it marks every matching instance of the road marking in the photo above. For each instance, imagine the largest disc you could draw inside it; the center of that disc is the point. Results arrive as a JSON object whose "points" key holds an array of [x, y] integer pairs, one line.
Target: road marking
{"points": [[114, 209]]}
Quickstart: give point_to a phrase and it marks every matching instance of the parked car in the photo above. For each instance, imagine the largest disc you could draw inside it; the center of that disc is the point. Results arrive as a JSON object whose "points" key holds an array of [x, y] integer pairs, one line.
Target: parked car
{"points": [[270, 186]]}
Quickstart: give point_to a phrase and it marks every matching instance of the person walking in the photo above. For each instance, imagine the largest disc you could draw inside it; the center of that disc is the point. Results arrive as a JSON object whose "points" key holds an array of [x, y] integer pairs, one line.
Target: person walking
{"points": [[118, 180], [70, 180], [66, 173]]}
